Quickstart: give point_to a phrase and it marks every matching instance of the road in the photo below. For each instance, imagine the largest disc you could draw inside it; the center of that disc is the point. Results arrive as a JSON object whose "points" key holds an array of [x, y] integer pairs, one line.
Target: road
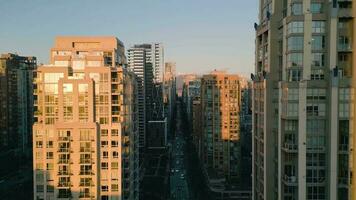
{"points": [[178, 179]]}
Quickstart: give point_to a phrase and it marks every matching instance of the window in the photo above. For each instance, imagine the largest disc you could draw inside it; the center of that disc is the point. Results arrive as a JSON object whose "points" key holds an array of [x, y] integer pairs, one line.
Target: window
{"points": [[49, 155], [104, 165], [295, 43], [104, 188], [318, 59], [291, 125], [105, 154], [316, 8], [318, 26], [104, 143], [39, 188], [316, 94], [85, 181], [318, 43], [114, 132], [317, 74], [344, 110], [295, 27], [114, 143], [39, 155], [294, 75], [49, 144], [50, 188], [39, 144], [292, 109], [114, 187], [344, 94], [344, 43], [49, 166], [104, 132], [115, 154], [84, 135], [317, 109], [297, 9], [114, 165], [293, 94], [295, 59]]}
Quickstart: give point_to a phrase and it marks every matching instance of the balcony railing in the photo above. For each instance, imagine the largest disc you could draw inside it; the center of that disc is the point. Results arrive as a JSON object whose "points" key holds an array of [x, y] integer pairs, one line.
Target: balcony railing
{"points": [[64, 184], [290, 147], [85, 161]]}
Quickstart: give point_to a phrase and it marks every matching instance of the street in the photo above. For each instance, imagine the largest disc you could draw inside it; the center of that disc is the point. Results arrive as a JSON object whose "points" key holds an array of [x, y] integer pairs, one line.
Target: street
{"points": [[178, 179]]}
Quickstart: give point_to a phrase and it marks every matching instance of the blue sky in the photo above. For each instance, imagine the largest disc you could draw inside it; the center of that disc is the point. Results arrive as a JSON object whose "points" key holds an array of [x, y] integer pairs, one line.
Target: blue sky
{"points": [[199, 35]]}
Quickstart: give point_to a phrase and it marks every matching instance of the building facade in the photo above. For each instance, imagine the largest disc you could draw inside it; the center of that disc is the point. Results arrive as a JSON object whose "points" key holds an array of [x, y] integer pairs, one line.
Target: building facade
{"points": [[169, 93], [220, 107], [302, 98], [16, 103], [85, 141]]}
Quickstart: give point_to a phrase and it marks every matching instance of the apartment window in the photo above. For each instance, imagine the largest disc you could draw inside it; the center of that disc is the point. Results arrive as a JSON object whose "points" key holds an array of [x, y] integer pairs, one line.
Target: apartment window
{"points": [[316, 126], [344, 42], [316, 8], [105, 154], [317, 74], [114, 187], [291, 125], [344, 94], [49, 155], [295, 59], [114, 165], [293, 94], [318, 26], [50, 189], [104, 143], [104, 188], [295, 43], [317, 109], [295, 27], [115, 154], [39, 188], [316, 94], [49, 166], [318, 43], [114, 143], [294, 75], [292, 109], [318, 59], [297, 9], [39, 155], [104, 165], [84, 135], [344, 110], [49, 144], [39, 144], [85, 181], [104, 132], [114, 132]]}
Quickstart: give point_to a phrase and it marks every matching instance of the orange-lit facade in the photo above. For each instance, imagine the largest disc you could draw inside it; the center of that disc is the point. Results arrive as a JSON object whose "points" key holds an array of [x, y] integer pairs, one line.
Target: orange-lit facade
{"points": [[85, 131]]}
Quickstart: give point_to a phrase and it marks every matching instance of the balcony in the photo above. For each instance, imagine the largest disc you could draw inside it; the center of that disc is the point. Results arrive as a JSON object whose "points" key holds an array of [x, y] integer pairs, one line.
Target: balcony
{"points": [[63, 173], [345, 12], [63, 150], [67, 138], [85, 149], [343, 47], [86, 173], [65, 161]]}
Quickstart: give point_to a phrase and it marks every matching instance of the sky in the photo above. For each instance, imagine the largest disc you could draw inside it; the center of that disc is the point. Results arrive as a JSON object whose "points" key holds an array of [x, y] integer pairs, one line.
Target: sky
{"points": [[199, 35]]}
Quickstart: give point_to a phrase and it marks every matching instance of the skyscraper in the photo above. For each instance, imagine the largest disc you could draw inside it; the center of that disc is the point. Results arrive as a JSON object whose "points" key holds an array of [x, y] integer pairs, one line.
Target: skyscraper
{"points": [[85, 132], [220, 107], [16, 109], [155, 56], [302, 100]]}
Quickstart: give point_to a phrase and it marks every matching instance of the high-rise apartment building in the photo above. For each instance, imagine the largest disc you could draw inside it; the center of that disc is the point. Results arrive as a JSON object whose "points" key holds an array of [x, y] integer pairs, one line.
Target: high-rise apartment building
{"points": [[16, 103], [191, 89], [220, 107], [169, 92], [155, 56], [137, 64], [85, 141], [302, 100]]}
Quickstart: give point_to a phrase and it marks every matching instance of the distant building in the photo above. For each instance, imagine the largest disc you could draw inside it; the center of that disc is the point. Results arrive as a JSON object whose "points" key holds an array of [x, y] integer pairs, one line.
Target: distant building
{"points": [[16, 103], [155, 56], [220, 108], [191, 89], [169, 92], [85, 141]]}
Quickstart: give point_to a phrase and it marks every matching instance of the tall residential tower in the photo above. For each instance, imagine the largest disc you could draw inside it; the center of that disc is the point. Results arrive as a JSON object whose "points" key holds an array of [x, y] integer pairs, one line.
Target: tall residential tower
{"points": [[302, 100], [85, 142]]}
